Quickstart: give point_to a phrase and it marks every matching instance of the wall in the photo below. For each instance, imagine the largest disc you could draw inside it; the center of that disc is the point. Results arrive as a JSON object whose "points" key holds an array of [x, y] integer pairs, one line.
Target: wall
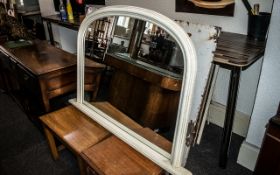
{"points": [[236, 24], [268, 94], [66, 38], [46, 7]]}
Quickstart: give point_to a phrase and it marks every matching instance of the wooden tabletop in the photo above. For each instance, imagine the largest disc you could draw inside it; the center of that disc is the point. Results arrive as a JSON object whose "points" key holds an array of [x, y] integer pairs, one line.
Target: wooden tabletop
{"points": [[74, 128], [75, 24], [114, 157], [41, 58], [237, 50]]}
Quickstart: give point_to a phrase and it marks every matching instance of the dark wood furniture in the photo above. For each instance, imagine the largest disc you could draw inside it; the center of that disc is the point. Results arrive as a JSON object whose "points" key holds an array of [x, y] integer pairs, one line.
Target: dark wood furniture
{"points": [[114, 157], [157, 95], [269, 157], [74, 129], [37, 73], [236, 53]]}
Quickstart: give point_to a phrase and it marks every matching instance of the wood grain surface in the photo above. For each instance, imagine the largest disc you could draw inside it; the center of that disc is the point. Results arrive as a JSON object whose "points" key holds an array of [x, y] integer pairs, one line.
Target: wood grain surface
{"points": [[74, 128], [114, 157], [237, 50]]}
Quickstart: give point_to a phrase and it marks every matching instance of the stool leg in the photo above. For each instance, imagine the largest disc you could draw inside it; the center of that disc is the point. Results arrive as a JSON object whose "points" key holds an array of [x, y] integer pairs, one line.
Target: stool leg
{"points": [[51, 143]]}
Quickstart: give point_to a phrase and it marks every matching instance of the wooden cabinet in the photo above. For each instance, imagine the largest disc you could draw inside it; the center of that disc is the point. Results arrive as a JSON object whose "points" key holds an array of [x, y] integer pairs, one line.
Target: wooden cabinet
{"points": [[38, 73], [269, 156]]}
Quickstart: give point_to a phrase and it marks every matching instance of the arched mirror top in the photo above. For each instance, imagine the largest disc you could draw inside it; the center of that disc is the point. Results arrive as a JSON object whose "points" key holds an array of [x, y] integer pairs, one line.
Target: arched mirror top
{"points": [[170, 161]]}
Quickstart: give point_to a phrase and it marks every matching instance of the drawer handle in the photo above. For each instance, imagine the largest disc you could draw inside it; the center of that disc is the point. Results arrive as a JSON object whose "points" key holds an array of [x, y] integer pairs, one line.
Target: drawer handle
{"points": [[25, 77]]}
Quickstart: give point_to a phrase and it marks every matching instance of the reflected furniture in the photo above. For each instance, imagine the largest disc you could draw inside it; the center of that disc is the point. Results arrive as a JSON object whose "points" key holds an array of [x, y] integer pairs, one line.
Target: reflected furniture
{"points": [[37, 73], [236, 53], [74, 129], [268, 160], [96, 44], [157, 92], [122, 159]]}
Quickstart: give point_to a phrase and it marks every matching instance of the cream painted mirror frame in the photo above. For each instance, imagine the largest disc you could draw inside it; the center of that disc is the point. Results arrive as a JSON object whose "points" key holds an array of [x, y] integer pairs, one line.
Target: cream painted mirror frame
{"points": [[171, 163]]}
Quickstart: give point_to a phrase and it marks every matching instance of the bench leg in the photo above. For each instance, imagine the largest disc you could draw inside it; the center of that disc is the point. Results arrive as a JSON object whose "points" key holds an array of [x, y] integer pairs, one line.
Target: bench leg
{"points": [[51, 143], [81, 165]]}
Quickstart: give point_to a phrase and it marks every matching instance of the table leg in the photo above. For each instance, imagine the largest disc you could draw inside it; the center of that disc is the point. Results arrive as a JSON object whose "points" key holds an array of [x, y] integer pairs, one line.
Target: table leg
{"points": [[230, 111], [49, 25], [51, 143]]}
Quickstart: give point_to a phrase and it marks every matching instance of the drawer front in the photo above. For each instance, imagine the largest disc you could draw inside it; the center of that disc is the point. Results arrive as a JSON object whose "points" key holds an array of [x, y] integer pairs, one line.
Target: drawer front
{"points": [[61, 80]]}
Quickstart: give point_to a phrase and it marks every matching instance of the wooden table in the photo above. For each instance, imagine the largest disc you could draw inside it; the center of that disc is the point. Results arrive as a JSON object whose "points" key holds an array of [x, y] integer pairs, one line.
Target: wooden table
{"points": [[44, 71], [234, 52], [74, 129], [114, 157]]}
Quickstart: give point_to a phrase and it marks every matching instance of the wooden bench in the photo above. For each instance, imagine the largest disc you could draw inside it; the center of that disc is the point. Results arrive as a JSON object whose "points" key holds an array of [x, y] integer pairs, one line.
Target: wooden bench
{"points": [[114, 157], [74, 129], [78, 132]]}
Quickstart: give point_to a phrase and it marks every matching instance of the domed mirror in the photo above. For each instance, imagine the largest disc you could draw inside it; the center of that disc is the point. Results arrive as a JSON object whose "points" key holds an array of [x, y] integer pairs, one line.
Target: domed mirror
{"points": [[145, 93]]}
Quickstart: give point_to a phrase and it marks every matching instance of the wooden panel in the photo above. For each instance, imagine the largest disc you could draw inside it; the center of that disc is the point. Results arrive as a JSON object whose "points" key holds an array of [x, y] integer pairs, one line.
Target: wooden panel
{"points": [[147, 103], [128, 94], [74, 128], [62, 80], [114, 157]]}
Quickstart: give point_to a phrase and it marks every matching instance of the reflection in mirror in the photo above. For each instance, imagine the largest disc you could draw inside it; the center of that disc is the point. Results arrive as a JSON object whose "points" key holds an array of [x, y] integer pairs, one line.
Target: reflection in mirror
{"points": [[141, 85], [97, 38]]}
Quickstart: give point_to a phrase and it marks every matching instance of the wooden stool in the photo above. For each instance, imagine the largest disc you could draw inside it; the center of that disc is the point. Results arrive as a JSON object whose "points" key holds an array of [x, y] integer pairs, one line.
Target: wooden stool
{"points": [[74, 129], [114, 157]]}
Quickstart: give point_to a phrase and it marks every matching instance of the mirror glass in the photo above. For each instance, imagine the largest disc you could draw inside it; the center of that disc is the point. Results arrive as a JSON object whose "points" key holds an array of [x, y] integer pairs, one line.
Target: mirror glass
{"points": [[141, 83]]}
